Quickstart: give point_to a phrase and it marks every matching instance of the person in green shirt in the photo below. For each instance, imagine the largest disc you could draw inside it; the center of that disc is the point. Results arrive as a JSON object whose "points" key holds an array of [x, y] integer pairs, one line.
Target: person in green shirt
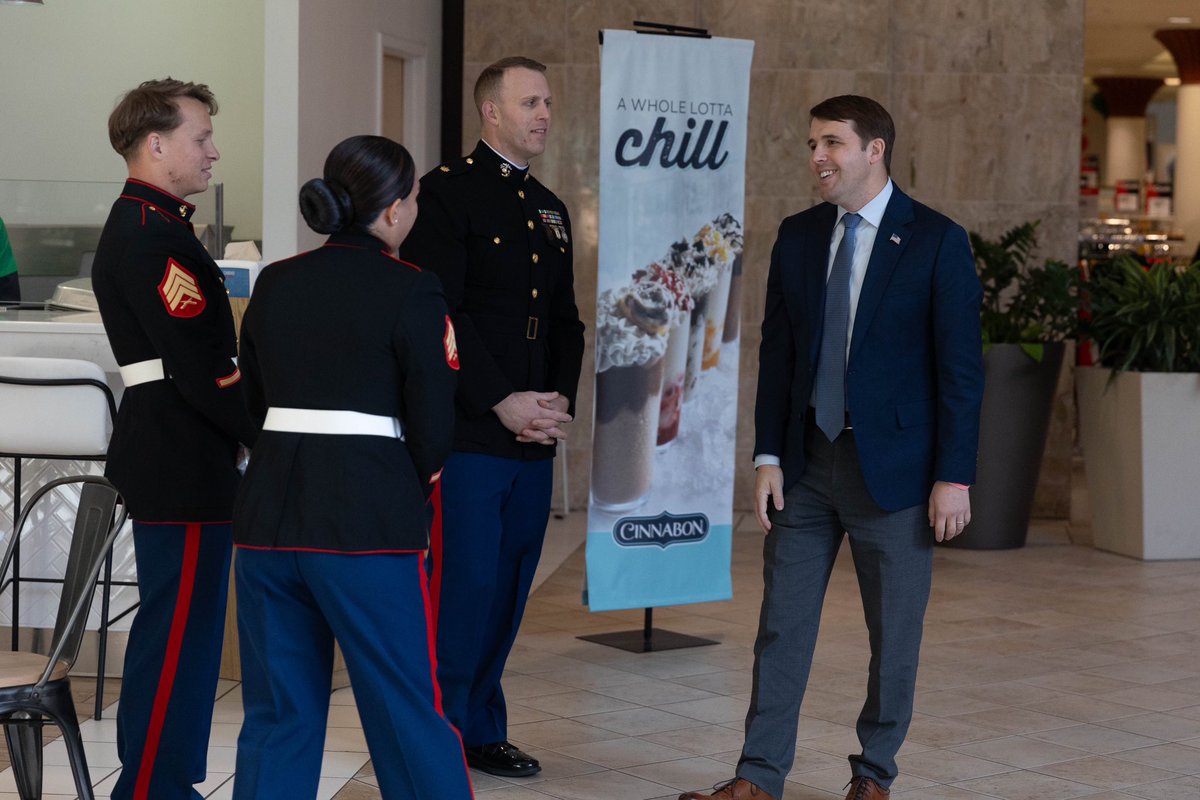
{"points": [[10, 289]]}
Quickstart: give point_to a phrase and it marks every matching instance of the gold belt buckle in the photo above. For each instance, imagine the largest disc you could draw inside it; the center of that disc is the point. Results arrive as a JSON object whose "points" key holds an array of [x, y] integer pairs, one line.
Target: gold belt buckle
{"points": [[531, 328]]}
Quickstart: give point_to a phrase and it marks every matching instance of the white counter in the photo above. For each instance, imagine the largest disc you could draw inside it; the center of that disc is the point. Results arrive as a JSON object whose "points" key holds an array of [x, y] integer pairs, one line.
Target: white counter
{"points": [[59, 334]]}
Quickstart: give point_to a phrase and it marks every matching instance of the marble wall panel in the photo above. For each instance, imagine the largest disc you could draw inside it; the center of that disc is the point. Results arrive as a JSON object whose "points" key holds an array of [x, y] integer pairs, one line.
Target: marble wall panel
{"points": [[984, 36], [987, 138], [806, 34], [533, 28], [586, 18]]}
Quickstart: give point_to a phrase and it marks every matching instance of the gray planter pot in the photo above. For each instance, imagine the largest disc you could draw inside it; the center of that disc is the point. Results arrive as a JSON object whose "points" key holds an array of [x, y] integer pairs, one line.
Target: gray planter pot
{"points": [[1017, 398]]}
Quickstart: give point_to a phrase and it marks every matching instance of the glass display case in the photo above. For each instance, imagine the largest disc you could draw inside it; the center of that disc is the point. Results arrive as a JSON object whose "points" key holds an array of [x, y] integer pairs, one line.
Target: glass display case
{"points": [[1151, 240], [54, 227]]}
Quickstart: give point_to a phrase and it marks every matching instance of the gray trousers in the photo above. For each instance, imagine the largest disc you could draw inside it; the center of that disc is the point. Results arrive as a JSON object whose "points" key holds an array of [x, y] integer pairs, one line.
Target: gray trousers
{"points": [[893, 557]]}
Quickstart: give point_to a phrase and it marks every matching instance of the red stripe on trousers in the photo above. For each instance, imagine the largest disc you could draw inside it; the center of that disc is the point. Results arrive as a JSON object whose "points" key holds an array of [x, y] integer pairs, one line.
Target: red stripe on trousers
{"points": [[430, 639], [166, 680], [431, 642], [435, 556]]}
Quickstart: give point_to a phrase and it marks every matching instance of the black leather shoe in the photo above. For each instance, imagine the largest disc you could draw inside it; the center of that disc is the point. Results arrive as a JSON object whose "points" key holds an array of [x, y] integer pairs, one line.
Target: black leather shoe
{"points": [[502, 758]]}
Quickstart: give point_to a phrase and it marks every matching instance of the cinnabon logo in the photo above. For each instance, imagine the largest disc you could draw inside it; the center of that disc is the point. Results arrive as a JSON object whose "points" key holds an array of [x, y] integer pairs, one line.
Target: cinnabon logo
{"points": [[664, 530]]}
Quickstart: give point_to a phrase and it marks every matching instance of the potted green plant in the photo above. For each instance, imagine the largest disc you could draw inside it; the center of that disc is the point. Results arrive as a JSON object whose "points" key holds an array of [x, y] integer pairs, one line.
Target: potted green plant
{"points": [[1139, 409], [1029, 310]]}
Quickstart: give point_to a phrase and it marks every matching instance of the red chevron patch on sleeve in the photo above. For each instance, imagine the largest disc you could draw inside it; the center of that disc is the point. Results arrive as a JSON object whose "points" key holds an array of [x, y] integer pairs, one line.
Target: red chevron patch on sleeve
{"points": [[451, 345], [180, 291], [230, 379]]}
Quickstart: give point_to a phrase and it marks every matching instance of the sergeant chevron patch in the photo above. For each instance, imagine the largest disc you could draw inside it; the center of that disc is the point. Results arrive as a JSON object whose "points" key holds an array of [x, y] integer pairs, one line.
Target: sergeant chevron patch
{"points": [[451, 344], [180, 292]]}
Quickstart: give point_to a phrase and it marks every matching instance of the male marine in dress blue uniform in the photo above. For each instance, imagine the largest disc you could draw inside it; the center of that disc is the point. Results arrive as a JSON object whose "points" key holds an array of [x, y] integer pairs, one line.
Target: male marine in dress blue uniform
{"points": [[174, 446], [501, 243]]}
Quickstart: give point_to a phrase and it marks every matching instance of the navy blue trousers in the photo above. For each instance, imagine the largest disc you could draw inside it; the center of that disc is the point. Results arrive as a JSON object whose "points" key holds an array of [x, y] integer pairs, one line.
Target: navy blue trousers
{"points": [[173, 659], [893, 558], [493, 520], [292, 605]]}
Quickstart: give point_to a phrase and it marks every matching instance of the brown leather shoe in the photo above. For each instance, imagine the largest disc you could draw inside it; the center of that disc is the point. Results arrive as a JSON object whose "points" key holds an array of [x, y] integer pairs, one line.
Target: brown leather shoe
{"points": [[863, 788], [736, 789]]}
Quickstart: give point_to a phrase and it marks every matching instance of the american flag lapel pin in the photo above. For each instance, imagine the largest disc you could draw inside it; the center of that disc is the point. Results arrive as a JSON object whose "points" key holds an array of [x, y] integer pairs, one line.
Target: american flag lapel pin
{"points": [[895, 238]]}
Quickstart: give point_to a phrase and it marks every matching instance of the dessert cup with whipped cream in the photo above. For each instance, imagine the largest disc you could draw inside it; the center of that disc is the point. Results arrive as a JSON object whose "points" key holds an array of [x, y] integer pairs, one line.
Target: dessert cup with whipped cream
{"points": [[675, 360], [632, 332]]}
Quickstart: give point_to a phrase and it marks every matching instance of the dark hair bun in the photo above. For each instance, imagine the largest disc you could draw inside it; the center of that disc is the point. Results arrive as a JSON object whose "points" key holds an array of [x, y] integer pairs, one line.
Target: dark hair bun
{"points": [[326, 206]]}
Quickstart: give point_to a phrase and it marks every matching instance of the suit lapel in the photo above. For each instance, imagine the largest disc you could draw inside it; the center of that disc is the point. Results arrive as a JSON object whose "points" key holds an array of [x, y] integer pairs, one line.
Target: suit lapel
{"points": [[890, 242]]}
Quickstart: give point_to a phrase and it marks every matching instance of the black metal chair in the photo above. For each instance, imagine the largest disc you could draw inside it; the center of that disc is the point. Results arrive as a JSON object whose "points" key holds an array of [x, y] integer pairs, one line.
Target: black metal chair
{"points": [[76, 431], [36, 689]]}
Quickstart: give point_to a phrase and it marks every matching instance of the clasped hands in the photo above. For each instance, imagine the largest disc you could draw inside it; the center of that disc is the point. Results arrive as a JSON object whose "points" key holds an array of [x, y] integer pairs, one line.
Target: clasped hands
{"points": [[535, 416]]}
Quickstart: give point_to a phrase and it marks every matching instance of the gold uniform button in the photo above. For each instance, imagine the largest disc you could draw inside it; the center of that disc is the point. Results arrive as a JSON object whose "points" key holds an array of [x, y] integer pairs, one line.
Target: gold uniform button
{"points": [[444, 168], [496, 240], [535, 294], [470, 161], [535, 258], [152, 208], [521, 193], [562, 249], [530, 223]]}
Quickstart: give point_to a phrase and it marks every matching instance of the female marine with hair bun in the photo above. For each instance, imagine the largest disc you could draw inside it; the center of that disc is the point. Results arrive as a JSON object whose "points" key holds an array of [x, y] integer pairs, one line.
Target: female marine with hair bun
{"points": [[348, 362]]}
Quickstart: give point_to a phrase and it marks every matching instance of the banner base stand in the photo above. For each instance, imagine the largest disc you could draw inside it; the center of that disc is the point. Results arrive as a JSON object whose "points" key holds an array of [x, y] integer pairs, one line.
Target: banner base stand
{"points": [[648, 639]]}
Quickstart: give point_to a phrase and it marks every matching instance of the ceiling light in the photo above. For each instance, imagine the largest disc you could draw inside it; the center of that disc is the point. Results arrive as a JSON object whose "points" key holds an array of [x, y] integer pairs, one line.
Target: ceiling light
{"points": [[20, 2], [1172, 81], [1179, 20]]}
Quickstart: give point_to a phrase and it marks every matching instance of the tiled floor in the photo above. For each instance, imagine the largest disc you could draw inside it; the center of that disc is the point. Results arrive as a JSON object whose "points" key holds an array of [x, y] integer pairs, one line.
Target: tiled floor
{"points": [[1053, 671]]}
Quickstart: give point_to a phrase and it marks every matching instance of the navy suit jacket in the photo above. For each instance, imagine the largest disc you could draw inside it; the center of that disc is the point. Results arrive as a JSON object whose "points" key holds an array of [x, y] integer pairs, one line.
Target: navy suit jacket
{"points": [[914, 376]]}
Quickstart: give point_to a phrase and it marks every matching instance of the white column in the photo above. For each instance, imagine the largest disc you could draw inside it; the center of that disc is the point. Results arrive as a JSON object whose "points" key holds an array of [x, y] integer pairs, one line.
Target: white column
{"points": [[1187, 163], [281, 129], [1125, 156]]}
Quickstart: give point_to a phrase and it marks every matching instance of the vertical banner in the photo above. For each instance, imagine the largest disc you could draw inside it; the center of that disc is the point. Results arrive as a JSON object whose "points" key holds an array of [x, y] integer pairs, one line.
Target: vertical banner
{"points": [[673, 116]]}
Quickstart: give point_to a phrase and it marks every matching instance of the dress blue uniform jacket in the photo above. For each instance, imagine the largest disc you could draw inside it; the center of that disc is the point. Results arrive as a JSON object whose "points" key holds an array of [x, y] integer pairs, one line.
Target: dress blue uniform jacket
{"points": [[501, 243], [346, 327], [173, 453], [914, 398]]}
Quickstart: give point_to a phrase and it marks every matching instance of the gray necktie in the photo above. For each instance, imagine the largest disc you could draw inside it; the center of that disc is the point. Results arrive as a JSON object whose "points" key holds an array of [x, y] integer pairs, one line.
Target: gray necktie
{"points": [[831, 368]]}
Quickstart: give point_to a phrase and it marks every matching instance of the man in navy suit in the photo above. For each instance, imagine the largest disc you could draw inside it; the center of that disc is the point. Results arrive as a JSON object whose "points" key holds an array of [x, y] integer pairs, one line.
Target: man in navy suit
{"points": [[867, 423]]}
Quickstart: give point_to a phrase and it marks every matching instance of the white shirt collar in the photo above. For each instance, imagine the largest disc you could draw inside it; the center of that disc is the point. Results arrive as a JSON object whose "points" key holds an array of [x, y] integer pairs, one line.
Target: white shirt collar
{"points": [[506, 158], [872, 212]]}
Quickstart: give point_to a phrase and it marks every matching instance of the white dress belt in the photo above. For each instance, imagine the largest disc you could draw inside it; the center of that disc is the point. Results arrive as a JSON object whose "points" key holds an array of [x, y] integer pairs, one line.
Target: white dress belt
{"points": [[142, 372], [320, 420]]}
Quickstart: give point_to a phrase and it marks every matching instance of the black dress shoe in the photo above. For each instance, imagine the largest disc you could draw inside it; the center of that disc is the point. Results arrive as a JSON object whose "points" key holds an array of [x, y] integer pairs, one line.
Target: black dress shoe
{"points": [[502, 758]]}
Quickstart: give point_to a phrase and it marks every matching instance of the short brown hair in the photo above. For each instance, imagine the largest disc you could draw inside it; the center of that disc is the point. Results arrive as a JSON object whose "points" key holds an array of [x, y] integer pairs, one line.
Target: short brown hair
{"points": [[488, 82], [152, 107], [869, 119]]}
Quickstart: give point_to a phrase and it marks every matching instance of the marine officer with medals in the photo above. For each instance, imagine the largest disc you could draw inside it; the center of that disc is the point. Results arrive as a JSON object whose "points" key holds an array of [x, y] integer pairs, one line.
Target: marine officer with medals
{"points": [[501, 243], [174, 448]]}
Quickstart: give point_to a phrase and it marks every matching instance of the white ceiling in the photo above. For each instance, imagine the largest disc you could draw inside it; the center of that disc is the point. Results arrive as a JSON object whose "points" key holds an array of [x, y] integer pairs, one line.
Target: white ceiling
{"points": [[1119, 38]]}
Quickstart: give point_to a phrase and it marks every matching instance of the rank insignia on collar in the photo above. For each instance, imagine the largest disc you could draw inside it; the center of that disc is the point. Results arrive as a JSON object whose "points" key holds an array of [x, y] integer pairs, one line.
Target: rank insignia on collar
{"points": [[555, 226], [180, 292], [183, 211], [505, 168]]}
